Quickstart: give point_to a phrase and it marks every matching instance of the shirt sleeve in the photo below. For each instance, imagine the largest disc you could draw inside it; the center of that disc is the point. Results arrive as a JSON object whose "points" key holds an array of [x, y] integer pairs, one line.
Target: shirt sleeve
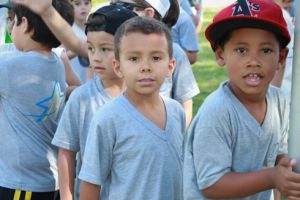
{"points": [[69, 127], [184, 86], [97, 161], [212, 155]]}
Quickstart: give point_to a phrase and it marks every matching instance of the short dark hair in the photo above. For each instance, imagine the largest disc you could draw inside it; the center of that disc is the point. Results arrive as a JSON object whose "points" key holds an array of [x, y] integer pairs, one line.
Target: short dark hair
{"points": [[145, 25], [41, 32]]}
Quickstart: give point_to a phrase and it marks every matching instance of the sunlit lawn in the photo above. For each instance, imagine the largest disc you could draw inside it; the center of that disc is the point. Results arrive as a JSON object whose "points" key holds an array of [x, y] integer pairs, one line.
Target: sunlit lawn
{"points": [[206, 71]]}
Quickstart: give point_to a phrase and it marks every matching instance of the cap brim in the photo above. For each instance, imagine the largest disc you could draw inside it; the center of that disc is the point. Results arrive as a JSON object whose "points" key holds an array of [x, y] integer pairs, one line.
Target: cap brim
{"points": [[215, 32]]}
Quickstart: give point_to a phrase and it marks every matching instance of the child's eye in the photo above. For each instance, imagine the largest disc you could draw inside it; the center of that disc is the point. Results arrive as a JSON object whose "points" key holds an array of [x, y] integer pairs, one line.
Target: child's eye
{"points": [[106, 49], [156, 58], [91, 49], [241, 50], [267, 50], [133, 59]]}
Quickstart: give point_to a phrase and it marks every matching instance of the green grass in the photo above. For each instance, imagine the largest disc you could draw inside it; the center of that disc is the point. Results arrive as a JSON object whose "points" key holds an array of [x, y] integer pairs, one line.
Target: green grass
{"points": [[207, 73]]}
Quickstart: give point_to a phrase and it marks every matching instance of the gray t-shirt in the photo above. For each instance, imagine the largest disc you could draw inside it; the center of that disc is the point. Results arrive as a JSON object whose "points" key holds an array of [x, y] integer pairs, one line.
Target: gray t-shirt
{"points": [[224, 137], [184, 32], [182, 85], [132, 157], [71, 133], [32, 93]]}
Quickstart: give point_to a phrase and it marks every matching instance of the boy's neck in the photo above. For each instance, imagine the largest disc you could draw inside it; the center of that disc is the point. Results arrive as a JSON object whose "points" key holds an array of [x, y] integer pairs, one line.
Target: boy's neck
{"points": [[151, 106], [113, 87], [37, 47]]}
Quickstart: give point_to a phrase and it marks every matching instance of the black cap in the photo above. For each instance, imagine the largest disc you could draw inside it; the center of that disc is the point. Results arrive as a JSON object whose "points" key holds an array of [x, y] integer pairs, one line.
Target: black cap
{"points": [[114, 16]]}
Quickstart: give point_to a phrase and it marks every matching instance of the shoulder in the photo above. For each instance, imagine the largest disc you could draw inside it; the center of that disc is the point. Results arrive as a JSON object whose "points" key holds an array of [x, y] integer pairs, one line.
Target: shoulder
{"points": [[83, 91], [217, 106], [278, 98], [112, 110], [180, 56], [173, 104]]}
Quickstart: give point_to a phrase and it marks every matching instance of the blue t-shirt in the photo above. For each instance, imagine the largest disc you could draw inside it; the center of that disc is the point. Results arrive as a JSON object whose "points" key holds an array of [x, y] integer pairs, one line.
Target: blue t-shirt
{"points": [[131, 156], [182, 85], [224, 137], [32, 94], [72, 130], [184, 32]]}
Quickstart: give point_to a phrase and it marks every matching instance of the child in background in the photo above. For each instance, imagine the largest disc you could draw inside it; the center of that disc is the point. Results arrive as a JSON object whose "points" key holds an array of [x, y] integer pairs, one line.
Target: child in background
{"points": [[80, 64], [73, 127], [134, 145], [184, 34], [32, 93], [72, 79], [237, 143]]}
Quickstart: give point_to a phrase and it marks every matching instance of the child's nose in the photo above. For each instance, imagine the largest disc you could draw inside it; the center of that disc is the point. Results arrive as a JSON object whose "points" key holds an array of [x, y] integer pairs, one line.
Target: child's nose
{"points": [[145, 68], [254, 61]]}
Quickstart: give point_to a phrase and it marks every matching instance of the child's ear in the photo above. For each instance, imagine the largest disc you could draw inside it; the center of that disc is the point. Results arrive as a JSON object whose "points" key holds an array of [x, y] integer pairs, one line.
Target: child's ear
{"points": [[24, 24], [149, 12], [219, 56], [283, 55], [171, 67], [117, 68]]}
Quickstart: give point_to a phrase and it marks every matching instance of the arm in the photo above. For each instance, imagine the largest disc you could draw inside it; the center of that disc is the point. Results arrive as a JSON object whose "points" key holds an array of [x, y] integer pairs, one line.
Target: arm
{"points": [[66, 170], [60, 28], [192, 55], [89, 191], [188, 109], [236, 185], [71, 77]]}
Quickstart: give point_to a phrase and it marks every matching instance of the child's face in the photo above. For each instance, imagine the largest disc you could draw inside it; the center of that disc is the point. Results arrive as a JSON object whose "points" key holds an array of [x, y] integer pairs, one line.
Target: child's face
{"points": [[252, 57], [144, 63], [101, 53], [82, 9]]}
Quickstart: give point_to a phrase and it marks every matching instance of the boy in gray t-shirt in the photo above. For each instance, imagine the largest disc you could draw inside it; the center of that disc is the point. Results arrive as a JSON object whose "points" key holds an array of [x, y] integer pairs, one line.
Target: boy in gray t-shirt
{"points": [[73, 127], [237, 144], [134, 145], [32, 93]]}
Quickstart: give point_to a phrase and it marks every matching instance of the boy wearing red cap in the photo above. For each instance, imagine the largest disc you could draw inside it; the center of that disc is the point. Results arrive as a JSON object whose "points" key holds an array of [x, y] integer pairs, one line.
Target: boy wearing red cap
{"points": [[236, 144]]}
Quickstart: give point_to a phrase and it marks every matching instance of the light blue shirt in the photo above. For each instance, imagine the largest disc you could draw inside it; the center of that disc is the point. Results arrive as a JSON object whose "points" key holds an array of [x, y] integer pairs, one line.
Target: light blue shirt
{"points": [[184, 32], [224, 137], [72, 130], [132, 157], [32, 95], [182, 85]]}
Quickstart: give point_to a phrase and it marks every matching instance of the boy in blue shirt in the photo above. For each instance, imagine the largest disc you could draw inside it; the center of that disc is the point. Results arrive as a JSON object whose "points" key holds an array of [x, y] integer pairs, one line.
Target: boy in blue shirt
{"points": [[134, 145], [237, 144], [32, 93], [73, 127]]}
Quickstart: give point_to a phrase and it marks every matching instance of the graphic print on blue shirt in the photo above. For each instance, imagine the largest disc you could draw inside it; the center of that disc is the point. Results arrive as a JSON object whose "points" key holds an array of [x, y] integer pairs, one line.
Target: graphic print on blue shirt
{"points": [[51, 104]]}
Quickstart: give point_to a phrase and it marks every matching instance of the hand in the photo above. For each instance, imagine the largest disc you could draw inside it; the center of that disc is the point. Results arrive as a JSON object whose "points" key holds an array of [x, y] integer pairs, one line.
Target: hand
{"points": [[37, 6], [285, 180]]}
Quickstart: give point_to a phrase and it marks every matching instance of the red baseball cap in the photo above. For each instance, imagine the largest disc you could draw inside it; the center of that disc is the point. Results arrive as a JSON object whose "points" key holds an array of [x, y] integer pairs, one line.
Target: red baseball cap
{"points": [[262, 14]]}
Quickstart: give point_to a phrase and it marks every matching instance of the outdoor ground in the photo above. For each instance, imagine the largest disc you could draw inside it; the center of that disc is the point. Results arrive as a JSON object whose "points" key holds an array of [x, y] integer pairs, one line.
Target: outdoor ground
{"points": [[206, 71]]}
